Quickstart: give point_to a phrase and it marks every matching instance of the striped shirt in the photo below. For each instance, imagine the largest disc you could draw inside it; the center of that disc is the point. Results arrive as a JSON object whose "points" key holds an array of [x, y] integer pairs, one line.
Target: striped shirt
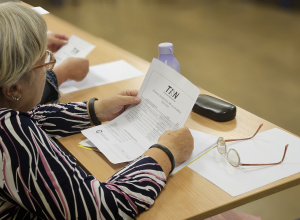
{"points": [[38, 180]]}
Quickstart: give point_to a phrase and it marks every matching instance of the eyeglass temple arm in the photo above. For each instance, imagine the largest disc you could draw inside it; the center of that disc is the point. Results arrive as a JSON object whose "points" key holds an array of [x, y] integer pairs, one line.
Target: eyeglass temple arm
{"points": [[286, 147], [45, 64], [242, 139]]}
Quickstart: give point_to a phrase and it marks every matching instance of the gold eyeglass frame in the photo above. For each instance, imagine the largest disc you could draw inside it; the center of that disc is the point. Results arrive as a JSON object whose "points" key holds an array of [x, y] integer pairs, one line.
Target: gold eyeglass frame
{"points": [[51, 63], [239, 160]]}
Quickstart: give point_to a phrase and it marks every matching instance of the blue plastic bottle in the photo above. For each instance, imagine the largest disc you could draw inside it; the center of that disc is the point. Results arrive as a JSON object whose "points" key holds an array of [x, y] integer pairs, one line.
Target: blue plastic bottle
{"points": [[165, 51]]}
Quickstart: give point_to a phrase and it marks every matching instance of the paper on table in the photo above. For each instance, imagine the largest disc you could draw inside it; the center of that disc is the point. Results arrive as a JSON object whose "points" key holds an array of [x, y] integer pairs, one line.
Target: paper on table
{"points": [[102, 74], [167, 100], [40, 10], [265, 147], [76, 47], [87, 144], [202, 142]]}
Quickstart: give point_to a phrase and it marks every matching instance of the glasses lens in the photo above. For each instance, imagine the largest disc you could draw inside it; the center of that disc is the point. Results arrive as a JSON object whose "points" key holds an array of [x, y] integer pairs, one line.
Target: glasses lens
{"points": [[50, 60], [233, 157], [48, 57], [50, 66], [221, 145]]}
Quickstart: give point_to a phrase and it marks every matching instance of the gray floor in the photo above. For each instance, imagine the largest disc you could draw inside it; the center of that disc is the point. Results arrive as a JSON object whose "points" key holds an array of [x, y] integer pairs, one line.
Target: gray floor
{"points": [[247, 52]]}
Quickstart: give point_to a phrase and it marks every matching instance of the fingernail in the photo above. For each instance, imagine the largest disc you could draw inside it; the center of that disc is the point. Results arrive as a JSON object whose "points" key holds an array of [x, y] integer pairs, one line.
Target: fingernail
{"points": [[137, 99]]}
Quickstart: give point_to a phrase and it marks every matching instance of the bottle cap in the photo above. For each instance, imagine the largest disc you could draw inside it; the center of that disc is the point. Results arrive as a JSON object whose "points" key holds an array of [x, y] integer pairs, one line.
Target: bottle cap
{"points": [[165, 48]]}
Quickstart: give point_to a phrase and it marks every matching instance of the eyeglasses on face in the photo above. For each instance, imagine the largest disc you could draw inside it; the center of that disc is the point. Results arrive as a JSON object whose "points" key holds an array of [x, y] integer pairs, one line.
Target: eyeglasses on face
{"points": [[49, 61], [232, 155]]}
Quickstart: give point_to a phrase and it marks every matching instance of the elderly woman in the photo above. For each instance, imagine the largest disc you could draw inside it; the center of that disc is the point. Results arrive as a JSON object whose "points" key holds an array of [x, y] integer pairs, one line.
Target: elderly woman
{"points": [[38, 179]]}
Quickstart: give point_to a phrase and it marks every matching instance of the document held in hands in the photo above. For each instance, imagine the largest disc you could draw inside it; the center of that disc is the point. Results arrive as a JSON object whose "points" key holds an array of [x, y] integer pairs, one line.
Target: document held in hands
{"points": [[167, 100]]}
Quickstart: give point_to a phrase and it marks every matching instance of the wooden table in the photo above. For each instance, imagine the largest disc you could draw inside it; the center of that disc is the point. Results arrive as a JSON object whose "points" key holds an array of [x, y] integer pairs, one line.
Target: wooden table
{"points": [[187, 194]]}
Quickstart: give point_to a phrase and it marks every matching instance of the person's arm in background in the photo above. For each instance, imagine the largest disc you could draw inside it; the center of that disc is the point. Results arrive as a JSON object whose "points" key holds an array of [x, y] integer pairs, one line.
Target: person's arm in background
{"points": [[51, 93], [72, 68], [56, 41]]}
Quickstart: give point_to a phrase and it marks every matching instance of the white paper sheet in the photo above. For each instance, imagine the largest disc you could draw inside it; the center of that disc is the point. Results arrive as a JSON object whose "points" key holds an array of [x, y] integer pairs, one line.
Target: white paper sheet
{"points": [[167, 100], [40, 10], [202, 142], [76, 47], [87, 143], [265, 147], [102, 74]]}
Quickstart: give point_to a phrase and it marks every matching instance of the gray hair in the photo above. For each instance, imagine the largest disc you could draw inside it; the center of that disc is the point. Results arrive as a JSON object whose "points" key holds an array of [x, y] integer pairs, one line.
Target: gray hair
{"points": [[23, 41]]}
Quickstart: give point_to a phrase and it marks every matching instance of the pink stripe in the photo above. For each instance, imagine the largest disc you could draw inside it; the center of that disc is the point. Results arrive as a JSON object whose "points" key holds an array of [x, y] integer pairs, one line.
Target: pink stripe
{"points": [[51, 176], [147, 172], [27, 192], [49, 191], [131, 195], [59, 154], [125, 195], [151, 181], [95, 193], [19, 165]]}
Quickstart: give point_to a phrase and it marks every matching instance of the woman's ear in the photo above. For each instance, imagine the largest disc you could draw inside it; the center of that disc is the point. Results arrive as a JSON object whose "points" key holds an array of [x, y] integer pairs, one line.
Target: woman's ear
{"points": [[12, 93]]}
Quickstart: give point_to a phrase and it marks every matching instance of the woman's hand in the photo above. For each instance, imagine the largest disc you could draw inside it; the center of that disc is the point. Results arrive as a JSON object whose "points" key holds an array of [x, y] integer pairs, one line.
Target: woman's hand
{"points": [[56, 41], [110, 107], [180, 142]]}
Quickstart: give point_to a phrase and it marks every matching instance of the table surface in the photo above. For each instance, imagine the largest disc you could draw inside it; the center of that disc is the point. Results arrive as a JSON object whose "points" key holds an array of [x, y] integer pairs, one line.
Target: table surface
{"points": [[187, 194]]}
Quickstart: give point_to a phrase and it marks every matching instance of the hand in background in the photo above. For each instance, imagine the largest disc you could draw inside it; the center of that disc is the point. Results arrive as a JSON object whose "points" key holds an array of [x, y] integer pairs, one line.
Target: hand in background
{"points": [[74, 68], [56, 41], [110, 107]]}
